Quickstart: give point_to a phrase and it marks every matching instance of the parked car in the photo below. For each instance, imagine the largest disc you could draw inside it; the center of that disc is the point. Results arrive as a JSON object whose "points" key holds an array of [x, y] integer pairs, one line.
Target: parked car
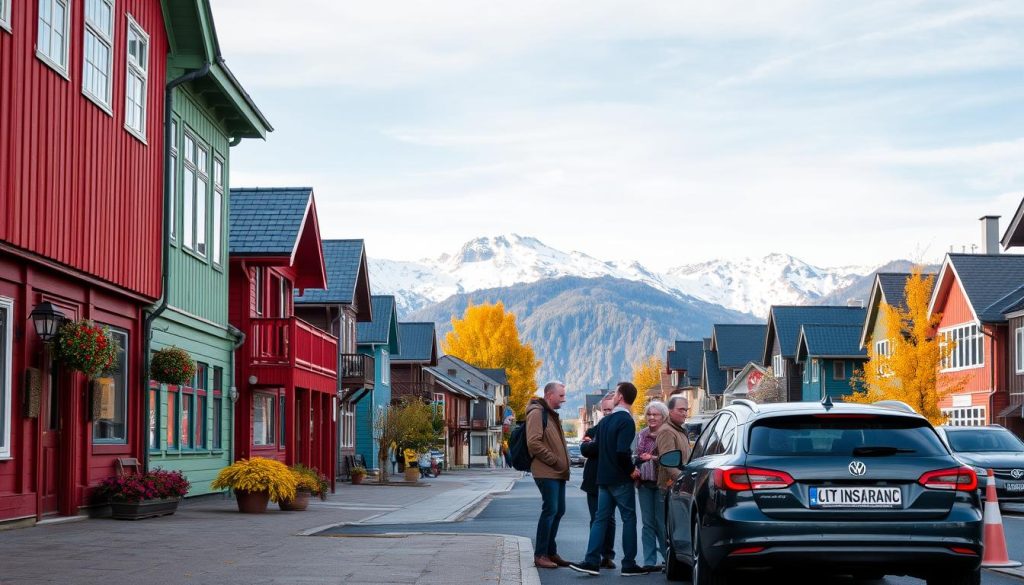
{"points": [[576, 459], [992, 447], [850, 489], [439, 455]]}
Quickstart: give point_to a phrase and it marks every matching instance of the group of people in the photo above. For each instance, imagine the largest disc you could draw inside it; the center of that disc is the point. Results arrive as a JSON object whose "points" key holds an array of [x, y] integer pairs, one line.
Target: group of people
{"points": [[622, 468]]}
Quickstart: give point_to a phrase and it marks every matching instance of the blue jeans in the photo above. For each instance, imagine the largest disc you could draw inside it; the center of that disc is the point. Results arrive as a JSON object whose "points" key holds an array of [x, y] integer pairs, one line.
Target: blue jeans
{"points": [[609, 497], [652, 514], [552, 494], [609, 535]]}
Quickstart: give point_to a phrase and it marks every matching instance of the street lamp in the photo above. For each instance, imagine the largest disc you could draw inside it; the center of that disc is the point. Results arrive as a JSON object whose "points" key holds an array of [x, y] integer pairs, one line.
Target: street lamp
{"points": [[46, 319]]}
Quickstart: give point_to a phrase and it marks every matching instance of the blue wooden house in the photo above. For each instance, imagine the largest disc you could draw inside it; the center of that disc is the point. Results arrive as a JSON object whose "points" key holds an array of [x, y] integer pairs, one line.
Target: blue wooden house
{"points": [[829, 355], [377, 338]]}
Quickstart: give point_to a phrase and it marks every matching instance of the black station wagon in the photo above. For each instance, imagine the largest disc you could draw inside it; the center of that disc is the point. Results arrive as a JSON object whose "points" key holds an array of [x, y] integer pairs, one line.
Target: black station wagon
{"points": [[862, 490]]}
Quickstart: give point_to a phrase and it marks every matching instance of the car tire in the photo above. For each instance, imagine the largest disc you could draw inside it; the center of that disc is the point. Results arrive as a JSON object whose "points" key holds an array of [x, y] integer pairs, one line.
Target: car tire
{"points": [[676, 570], [970, 577], [703, 572]]}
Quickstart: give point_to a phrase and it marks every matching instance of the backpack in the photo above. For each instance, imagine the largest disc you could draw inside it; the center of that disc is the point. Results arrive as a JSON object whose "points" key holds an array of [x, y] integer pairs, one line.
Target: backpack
{"points": [[518, 450]]}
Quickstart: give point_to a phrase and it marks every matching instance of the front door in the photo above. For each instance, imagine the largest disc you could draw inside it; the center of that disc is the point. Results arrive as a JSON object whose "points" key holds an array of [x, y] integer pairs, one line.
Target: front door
{"points": [[51, 418]]}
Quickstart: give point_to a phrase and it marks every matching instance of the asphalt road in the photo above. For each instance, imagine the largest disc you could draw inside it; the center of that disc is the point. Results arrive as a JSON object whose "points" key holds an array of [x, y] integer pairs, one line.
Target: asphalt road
{"points": [[516, 513]]}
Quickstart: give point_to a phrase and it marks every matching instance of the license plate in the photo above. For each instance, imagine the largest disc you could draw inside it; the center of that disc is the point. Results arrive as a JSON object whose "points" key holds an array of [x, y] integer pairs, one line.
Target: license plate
{"points": [[856, 497], [1014, 487]]}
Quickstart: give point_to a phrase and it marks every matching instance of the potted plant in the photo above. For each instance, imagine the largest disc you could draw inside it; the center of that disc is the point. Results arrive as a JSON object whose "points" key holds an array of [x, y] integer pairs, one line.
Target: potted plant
{"points": [[143, 495], [358, 473], [172, 365], [255, 482], [308, 482], [85, 346]]}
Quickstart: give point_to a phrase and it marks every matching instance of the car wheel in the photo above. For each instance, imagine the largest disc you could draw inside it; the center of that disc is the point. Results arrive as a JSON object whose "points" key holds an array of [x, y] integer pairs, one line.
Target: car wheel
{"points": [[703, 572], [969, 577], [676, 570]]}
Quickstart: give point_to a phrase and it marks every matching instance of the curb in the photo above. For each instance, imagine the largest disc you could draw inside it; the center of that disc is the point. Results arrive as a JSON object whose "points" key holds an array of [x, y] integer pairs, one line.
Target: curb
{"points": [[1018, 573], [530, 576]]}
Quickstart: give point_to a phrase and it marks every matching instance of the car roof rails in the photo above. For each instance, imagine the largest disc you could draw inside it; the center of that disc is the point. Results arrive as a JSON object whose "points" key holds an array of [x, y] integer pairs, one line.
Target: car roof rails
{"points": [[895, 405], [745, 402]]}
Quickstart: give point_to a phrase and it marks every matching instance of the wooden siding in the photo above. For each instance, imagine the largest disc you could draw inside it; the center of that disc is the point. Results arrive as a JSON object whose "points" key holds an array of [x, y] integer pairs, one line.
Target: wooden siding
{"points": [[75, 186], [1015, 382]]}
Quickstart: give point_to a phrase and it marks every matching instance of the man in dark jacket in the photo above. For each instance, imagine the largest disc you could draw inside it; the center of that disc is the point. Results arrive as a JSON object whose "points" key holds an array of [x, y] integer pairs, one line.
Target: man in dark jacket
{"points": [[614, 437], [588, 448]]}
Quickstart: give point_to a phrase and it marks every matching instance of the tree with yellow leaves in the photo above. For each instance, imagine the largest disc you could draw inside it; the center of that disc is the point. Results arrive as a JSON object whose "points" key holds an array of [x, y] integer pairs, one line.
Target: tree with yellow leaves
{"points": [[487, 337], [909, 370], [646, 375]]}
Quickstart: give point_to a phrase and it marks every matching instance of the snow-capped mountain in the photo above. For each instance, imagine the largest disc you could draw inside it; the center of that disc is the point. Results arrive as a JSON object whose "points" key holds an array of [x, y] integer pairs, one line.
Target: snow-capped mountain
{"points": [[749, 285]]}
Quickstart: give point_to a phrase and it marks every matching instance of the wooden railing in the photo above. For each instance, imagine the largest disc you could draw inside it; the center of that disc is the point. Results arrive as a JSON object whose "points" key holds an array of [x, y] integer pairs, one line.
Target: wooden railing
{"points": [[291, 342], [418, 389], [357, 370]]}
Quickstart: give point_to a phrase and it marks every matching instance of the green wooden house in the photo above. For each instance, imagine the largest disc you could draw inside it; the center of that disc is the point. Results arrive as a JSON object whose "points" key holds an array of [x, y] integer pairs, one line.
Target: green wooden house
{"points": [[378, 339], [829, 355], [189, 427]]}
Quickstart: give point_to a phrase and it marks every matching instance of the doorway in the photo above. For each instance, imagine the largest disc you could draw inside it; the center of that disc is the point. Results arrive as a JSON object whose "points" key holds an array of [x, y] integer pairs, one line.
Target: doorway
{"points": [[51, 419]]}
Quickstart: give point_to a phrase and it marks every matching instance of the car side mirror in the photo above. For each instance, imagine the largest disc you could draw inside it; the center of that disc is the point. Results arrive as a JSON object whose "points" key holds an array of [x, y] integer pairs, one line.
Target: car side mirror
{"points": [[671, 459]]}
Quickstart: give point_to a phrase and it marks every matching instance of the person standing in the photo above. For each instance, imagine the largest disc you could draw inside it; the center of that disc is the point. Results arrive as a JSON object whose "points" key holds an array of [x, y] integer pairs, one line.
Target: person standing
{"points": [[550, 469], [588, 448], [652, 499], [614, 437], [672, 437]]}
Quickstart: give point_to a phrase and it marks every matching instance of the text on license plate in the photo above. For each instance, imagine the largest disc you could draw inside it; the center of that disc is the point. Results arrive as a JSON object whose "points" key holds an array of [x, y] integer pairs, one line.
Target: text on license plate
{"points": [[1014, 487], [856, 497]]}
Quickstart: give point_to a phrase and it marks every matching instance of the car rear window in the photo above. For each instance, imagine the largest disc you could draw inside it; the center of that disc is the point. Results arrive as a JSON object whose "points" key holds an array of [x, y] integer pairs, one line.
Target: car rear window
{"points": [[971, 441], [842, 435]]}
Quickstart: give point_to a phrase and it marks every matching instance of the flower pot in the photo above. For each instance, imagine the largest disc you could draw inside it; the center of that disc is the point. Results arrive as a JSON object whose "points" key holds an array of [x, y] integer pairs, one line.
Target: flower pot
{"points": [[412, 474], [252, 502], [143, 508], [300, 503], [357, 479]]}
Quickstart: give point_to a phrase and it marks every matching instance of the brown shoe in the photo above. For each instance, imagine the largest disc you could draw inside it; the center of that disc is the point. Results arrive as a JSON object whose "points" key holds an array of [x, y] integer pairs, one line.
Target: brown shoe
{"points": [[558, 560], [607, 563], [543, 562]]}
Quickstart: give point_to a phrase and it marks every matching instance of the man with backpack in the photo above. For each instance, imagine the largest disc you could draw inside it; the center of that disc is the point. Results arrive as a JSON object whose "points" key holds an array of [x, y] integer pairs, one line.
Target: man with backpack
{"points": [[550, 469]]}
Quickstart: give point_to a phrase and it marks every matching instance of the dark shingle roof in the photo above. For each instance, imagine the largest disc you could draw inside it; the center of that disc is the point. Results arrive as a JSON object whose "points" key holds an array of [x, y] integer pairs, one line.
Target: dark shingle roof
{"points": [[496, 374], [714, 374], [788, 319], [377, 330], [455, 384], [990, 281], [416, 342], [894, 285], [739, 345], [833, 341], [591, 401], [343, 260], [689, 356], [266, 221]]}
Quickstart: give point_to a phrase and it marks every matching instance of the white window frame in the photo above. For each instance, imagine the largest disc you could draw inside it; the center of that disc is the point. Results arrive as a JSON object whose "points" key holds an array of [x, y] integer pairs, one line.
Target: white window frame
{"points": [[970, 347], [348, 433], [105, 38], [883, 348], [258, 284], [195, 162], [175, 183], [385, 367], [5, 15], [837, 373], [6, 382], [267, 403], [966, 416], [61, 66], [217, 211], [136, 70], [778, 366], [1018, 349], [815, 367]]}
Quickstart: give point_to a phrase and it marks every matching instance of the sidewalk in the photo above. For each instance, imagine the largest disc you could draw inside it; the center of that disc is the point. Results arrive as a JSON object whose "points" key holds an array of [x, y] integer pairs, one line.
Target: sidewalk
{"points": [[208, 541]]}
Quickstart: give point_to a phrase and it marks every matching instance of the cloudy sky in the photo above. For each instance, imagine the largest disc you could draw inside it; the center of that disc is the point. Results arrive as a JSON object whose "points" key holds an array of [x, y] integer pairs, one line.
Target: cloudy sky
{"points": [[666, 131]]}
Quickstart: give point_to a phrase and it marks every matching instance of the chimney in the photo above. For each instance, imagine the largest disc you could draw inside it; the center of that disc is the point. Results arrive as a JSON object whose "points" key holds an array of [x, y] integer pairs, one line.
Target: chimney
{"points": [[990, 234], [859, 303]]}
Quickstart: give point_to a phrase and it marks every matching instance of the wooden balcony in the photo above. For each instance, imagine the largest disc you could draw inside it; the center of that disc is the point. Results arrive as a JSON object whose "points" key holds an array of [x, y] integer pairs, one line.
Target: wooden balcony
{"points": [[292, 343], [422, 390], [479, 424], [357, 370]]}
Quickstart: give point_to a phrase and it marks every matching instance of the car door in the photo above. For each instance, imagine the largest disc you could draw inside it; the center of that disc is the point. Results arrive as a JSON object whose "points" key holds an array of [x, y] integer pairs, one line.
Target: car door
{"points": [[680, 498]]}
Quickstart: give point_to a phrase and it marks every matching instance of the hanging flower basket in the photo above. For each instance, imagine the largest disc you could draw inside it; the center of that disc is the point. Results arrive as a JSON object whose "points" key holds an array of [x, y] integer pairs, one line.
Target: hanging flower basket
{"points": [[87, 347], [172, 365]]}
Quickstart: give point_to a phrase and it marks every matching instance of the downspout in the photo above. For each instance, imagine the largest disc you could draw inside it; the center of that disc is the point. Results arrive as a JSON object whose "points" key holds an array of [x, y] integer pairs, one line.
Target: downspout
{"points": [[991, 371], [147, 327], [239, 336]]}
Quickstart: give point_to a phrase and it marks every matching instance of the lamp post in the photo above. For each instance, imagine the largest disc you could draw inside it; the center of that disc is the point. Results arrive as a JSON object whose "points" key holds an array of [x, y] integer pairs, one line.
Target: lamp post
{"points": [[46, 319]]}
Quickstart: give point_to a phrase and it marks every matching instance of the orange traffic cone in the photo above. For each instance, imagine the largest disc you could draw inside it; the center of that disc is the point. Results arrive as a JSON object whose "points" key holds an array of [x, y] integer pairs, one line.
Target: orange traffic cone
{"points": [[994, 537]]}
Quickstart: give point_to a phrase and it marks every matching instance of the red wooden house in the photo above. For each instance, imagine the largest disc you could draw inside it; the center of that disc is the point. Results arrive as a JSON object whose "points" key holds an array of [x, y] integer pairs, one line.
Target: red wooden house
{"points": [[286, 370], [81, 164]]}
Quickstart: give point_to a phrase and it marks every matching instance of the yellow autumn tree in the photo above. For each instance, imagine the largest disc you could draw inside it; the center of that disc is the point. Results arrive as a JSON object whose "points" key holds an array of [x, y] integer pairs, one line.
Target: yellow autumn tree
{"points": [[646, 375], [909, 370], [487, 337]]}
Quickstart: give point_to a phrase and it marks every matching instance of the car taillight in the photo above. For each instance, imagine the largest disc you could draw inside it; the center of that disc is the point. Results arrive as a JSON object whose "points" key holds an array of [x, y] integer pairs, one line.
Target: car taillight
{"points": [[751, 478], [963, 479]]}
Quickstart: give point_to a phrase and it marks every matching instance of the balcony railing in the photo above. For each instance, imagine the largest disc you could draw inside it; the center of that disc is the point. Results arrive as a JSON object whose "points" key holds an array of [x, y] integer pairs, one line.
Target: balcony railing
{"points": [[479, 424], [291, 342], [417, 389], [357, 370]]}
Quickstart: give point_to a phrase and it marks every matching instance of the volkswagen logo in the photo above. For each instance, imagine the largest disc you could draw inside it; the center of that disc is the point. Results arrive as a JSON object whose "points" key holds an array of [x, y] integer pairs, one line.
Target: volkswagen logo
{"points": [[1017, 473], [857, 468]]}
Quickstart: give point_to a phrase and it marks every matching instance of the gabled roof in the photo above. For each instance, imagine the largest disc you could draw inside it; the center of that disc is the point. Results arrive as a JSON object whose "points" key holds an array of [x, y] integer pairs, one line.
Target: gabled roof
{"points": [[383, 329], [1014, 235], [888, 288], [991, 283], [712, 376], [830, 341], [454, 384], [497, 374], [688, 356], [738, 386], [448, 361], [417, 343], [737, 345], [784, 321], [348, 278]]}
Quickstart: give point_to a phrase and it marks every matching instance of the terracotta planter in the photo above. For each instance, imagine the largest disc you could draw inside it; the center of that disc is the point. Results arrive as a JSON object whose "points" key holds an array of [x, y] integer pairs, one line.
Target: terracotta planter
{"points": [[412, 474], [300, 503], [143, 509], [357, 479], [252, 502]]}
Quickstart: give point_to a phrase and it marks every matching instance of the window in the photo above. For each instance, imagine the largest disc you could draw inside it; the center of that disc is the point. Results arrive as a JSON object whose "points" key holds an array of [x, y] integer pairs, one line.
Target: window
{"points": [[52, 40], [281, 416], [264, 410], [285, 291], [810, 435], [172, 170], [188, 191], [202, 192], [477, 445], [883, 351], [218, 204], [5, 14], [153, 417], [258, 285], [172, 417], [968, 349], [111, 425], [200, 398], [218, 405], [196, 185], [185, 416], [348, 425], [968, 416], [98, 52], [1018, 349], [778, 366], [6, 358], [814, 370], [385, 367], [135, 80], [706, 438], [839, 370], [883, 348]]}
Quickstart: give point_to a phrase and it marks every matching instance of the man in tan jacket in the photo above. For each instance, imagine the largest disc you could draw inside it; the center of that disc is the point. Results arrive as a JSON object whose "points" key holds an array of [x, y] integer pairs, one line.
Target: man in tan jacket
{"points": [[550, 469], [672, 437]]}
